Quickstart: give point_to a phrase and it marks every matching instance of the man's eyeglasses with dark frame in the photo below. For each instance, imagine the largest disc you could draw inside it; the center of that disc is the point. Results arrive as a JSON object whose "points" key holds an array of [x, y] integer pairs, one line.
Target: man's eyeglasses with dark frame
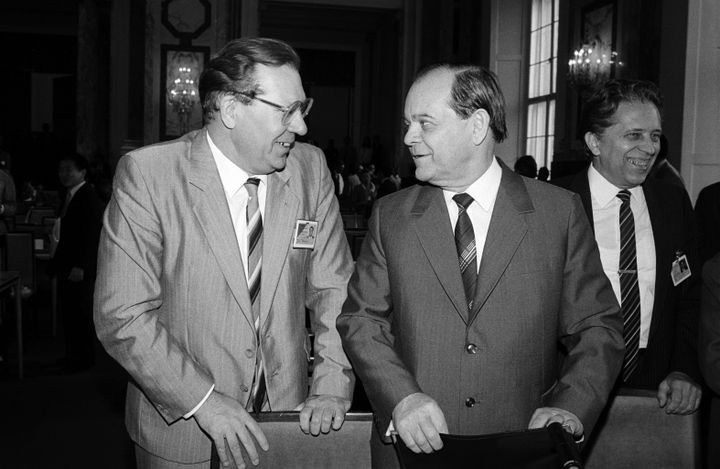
{"points": [[288, 111]]}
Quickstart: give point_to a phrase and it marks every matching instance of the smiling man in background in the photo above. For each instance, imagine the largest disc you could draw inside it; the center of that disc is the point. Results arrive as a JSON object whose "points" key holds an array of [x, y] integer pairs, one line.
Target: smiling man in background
{"points": [[645, 230], [202, 283]]}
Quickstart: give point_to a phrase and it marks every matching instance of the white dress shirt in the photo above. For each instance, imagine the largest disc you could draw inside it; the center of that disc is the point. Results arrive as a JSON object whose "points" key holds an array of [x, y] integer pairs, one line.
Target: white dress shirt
{"points": [[233, 180], [606, 213], [484, 192]]}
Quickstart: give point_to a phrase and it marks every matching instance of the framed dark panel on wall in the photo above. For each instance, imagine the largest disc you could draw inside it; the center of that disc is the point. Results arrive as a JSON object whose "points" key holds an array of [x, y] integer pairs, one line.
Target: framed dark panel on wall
{"points": [[180, 69], [598, 28]]}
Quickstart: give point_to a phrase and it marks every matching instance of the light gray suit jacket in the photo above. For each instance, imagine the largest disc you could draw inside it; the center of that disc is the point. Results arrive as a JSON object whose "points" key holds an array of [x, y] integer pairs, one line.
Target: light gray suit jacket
{"points": [[545, 330], [171, 300]]}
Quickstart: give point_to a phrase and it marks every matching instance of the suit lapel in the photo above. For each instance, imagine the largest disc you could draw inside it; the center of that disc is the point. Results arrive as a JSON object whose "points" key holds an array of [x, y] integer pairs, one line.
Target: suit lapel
{"points": [[210, 207], [507, 229], [581, 185], [432, 225], [281, 207], [663, 252]]}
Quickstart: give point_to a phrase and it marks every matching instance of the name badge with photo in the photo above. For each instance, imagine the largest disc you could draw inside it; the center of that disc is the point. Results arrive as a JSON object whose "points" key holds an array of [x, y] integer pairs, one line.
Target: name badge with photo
{"points": [[305, 234], [680, 269]]}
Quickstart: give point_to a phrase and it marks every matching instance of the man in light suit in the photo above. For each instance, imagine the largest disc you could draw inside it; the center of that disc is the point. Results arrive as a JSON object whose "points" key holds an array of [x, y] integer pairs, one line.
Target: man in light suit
{"points": [[461, 335], [622, 122], [173, 305]]}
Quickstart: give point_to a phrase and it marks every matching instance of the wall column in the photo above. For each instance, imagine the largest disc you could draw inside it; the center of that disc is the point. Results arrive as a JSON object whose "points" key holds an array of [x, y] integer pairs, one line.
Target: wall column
{"points": [[92, 78], [701, 119], [509, 25]]}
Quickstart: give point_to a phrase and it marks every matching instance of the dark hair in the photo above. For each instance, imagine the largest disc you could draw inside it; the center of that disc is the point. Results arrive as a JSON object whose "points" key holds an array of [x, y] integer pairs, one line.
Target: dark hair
{"points": [[526, 166], [474, 88], [664, 148], [80, 162], [232, 69], [602, 104]]}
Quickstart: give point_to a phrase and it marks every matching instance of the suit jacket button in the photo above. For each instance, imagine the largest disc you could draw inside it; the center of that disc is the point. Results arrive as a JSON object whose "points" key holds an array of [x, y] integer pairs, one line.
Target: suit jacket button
{"points": [[469, 402], [249, 353], [471, 348]]}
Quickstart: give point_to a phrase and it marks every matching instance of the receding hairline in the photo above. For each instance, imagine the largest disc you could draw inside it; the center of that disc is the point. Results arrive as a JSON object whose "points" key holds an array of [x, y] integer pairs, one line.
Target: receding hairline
{"points": [[435, 73]]}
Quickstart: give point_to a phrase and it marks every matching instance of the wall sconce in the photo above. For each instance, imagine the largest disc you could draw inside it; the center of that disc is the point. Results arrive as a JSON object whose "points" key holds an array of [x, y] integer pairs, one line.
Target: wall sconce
{"points": [[182, 94], [591, 65]]}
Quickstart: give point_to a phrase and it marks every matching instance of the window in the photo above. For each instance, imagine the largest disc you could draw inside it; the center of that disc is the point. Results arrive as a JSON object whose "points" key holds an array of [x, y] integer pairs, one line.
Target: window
{"points": [[542, 81]]}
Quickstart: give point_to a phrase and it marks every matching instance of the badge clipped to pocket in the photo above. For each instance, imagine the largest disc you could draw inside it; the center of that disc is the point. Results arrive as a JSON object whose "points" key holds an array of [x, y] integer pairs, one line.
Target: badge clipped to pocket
{"points": [[680, 269], [305, 234]]}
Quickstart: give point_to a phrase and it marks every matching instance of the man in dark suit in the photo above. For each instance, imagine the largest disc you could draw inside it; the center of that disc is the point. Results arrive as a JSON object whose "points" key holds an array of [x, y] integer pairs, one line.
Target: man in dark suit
{"points": [[710, 323], [460, 332], [74, 261], [622, 122], [707, 212]]}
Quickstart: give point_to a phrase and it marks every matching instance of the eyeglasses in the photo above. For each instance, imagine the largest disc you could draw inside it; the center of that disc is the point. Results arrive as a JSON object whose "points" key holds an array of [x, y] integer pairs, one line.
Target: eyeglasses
{"points": [[288, 111]]}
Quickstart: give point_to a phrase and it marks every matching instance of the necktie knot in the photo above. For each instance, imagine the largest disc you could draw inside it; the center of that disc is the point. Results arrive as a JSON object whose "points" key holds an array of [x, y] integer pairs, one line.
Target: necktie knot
{"points": [[624, 196], [463, 200], [251, 186]]}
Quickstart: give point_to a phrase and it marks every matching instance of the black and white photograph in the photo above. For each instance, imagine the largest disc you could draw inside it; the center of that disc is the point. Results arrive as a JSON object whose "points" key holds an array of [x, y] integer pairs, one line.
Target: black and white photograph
{"points": [[360, 234]]}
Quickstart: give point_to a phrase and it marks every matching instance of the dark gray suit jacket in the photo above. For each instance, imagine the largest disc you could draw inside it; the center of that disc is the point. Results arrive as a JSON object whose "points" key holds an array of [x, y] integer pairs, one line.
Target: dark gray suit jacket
{"points": [[541, 288]]}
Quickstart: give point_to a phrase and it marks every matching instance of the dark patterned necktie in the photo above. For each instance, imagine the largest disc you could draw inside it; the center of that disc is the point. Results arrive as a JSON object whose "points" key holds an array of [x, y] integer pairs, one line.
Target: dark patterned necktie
{"points": [[629, 290], [255, 247], [465, 245]]}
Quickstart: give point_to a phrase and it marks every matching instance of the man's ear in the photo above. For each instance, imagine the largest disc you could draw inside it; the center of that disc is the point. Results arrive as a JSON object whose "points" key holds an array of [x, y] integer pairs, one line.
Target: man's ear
{"points": [[592, 143], [480, 121], [228, 109]]}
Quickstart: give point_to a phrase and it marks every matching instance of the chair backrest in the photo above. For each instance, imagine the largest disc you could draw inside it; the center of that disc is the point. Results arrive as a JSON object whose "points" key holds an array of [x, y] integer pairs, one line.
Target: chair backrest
{"points": [[35, 215], [19, 254], [40, 233], [348, 447], [635, 432]]}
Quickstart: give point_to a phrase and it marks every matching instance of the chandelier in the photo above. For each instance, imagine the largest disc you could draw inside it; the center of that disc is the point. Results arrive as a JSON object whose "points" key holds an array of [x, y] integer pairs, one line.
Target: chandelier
{"points": [[592, 65], [183, 94]]}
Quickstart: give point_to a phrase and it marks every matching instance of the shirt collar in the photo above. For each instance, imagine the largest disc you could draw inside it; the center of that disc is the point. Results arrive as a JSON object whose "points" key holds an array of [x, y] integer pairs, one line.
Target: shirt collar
{"points": [[485, 188], [76, 188], [605, 192], [232, 176]]}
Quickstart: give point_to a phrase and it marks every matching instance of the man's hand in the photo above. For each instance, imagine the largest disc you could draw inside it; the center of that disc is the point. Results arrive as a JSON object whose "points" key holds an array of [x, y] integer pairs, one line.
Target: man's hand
{"points": [[544, 416], [679, 394], [319, 411], [419, 421], [76, 274], [223, 418]]}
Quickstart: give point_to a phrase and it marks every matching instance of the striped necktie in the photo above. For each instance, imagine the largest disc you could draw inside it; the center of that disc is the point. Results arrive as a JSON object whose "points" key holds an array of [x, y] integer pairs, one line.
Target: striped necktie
{"points": [[255, 247], [465, 245], [629, 290]]}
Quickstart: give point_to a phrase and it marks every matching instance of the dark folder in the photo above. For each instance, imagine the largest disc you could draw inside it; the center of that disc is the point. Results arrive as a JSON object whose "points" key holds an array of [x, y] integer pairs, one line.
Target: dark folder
{"points": [[546, 448], [348, 447]]}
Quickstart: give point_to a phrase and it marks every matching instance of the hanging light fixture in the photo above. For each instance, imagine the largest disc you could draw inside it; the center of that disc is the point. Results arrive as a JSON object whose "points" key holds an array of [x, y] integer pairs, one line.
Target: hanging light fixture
{"points": [[183, 93], [592, 64]]}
